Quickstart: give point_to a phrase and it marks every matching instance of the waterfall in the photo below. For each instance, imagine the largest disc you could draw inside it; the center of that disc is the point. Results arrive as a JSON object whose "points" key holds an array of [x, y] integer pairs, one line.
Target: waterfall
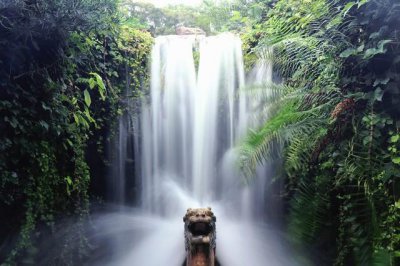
{"points": [[191, 126], [167, 120], [121, 153], [188, 129]]}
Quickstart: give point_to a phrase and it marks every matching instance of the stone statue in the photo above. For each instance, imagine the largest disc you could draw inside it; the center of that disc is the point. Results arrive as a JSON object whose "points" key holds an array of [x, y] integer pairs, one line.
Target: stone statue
{"points": [[200, 236]]}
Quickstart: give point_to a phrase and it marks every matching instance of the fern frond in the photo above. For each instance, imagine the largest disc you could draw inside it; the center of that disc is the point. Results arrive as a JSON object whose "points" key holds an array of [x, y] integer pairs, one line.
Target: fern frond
{"points": [[282, 128], [309, 210]]}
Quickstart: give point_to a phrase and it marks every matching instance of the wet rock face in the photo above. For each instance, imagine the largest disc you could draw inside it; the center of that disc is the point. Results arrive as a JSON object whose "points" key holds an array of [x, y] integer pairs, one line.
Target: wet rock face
{"points": [[182, 30], [200, 236]]}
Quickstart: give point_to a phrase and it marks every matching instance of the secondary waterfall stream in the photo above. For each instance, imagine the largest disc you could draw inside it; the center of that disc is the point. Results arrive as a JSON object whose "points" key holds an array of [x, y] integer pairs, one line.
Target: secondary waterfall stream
{"points": [[188, 129]]}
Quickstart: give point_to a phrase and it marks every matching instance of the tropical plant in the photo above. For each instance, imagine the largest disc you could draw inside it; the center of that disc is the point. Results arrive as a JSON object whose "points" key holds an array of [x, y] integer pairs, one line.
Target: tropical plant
{"points": [[336, 124]]}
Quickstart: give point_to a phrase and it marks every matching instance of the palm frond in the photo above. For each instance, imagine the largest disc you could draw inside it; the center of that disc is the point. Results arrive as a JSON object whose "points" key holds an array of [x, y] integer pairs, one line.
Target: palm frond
{"points": [[267, 99], [284, 127]]}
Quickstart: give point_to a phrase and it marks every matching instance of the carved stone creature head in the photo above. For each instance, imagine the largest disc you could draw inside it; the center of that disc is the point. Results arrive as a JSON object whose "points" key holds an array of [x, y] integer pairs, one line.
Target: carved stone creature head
{"points": [[199, 228]]}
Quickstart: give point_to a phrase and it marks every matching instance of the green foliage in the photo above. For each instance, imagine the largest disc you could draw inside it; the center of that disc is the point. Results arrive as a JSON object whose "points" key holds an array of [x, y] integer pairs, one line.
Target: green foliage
{"points": [[163, 21], [339, 63], [64, 67], [282, 128], [211, 16]]}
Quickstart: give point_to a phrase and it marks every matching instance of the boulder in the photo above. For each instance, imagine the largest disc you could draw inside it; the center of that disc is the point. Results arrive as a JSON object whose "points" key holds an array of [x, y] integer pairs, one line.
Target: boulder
{"points": [[182, 30]]}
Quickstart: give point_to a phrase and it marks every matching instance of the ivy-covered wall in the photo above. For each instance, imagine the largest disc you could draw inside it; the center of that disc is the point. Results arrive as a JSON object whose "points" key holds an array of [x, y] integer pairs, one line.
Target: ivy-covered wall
{"points": [[63, 68]]}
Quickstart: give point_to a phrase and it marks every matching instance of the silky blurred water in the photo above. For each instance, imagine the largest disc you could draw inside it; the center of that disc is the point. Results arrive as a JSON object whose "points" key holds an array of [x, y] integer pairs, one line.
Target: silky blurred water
{"points": [[188, 130]]}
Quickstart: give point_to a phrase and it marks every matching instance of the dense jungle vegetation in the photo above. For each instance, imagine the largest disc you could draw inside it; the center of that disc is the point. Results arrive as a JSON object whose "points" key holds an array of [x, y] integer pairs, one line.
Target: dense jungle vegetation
{"points": [[333, 119], [63, 68]]}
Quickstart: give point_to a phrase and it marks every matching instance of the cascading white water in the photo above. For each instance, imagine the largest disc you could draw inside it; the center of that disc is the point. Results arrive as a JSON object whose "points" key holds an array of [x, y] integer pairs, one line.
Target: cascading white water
{"points": [[189, 127], [167, 122]]}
